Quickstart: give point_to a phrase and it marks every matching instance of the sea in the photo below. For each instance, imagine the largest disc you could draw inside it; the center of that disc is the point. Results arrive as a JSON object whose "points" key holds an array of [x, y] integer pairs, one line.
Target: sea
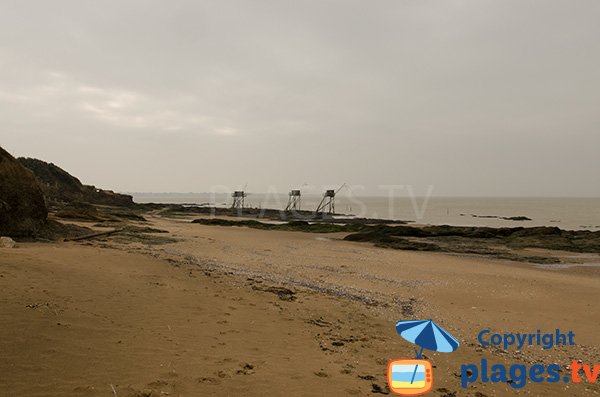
{"points": [[566, 213]]}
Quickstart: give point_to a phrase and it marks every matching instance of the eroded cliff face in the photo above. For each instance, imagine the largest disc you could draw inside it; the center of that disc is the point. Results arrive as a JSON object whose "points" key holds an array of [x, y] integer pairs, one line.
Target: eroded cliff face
{"points": [[23, 210], [60, 187]]}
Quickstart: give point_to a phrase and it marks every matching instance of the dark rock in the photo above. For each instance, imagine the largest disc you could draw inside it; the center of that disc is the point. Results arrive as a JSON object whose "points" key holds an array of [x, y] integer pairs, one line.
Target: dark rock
{"points": [[284, 294], [60, 187], [516, 218], [376, 389], [538, 231], [497, 242], [506, 218], [366, 377], [22, 208], [297, 226], [79, 211]]}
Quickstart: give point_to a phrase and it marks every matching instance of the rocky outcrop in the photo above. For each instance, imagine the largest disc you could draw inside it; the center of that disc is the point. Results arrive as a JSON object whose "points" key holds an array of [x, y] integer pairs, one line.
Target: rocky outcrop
{"points": [[22, 208], [7, 242], [60, 187]]}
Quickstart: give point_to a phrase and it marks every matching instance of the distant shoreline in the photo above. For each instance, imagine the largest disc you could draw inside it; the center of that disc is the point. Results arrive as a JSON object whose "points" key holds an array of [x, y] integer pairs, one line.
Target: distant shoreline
{"points": [[568, 213]]}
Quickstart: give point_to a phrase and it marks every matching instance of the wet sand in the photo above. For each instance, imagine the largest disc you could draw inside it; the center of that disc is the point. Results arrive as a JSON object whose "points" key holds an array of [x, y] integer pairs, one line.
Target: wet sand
{"points": [[236, 311]]}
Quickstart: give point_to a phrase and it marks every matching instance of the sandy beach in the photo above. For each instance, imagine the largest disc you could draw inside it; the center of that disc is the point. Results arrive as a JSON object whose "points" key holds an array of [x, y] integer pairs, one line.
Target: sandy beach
{"points": [[238, 311], [298, 199]]}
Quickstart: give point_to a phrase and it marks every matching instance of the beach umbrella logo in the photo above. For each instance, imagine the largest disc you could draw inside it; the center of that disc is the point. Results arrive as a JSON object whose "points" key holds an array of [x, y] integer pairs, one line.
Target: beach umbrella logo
{"points": [[413, 377]]}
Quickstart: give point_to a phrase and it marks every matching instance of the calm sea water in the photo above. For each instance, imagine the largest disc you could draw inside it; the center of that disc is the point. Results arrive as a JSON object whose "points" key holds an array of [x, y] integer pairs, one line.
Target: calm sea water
{"points": [[566, 213]]}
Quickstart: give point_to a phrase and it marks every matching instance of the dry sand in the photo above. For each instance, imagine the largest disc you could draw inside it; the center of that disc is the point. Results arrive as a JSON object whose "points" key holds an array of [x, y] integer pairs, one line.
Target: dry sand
{"points": [[207, 316]]}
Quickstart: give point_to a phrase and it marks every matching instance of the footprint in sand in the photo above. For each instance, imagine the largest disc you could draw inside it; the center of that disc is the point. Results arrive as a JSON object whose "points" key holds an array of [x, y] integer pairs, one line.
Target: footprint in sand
{"points": [[247, 369], [160, 383], [209, 380]]}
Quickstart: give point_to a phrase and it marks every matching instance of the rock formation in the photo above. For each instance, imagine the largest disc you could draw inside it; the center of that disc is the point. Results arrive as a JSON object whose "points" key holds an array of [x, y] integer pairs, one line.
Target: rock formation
{"points": [[60, 187], [22, 208]]}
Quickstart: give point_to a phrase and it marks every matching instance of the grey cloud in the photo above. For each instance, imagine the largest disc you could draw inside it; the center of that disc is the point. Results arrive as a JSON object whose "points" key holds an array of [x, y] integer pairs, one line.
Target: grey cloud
{"points": [[473, 97]]}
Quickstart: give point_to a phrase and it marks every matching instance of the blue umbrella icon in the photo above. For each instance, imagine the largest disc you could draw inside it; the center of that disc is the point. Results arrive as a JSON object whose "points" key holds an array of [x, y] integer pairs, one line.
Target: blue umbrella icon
{"points": [[428, 335]]}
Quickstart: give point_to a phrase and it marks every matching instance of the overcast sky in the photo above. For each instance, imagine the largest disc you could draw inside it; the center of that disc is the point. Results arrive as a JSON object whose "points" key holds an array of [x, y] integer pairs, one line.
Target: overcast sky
{"points": [[473, 97]]}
